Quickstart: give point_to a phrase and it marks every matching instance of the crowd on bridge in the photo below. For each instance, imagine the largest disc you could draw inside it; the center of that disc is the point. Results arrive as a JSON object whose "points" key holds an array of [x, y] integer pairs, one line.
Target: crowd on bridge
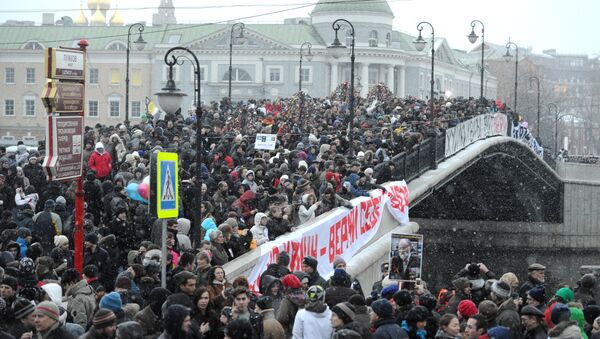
{"points": [[248, 197]]}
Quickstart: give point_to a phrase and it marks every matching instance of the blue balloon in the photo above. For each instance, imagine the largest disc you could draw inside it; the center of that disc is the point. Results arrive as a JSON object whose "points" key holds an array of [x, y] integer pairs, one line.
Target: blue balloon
{"points": [[132, 192]]}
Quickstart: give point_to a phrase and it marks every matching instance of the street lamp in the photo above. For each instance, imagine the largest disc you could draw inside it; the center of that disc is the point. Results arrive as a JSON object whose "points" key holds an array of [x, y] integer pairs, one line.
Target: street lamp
{"points": [[239, 26], [508, 57], [472, 38], [139, 45], [309, 57], [556, 118], [420, 45], [336, 50], [536, 80]]}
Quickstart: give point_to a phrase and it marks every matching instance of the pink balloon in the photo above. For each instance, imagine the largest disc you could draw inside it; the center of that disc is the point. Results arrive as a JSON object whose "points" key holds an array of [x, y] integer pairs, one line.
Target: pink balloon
{"points": [[144, 190]]}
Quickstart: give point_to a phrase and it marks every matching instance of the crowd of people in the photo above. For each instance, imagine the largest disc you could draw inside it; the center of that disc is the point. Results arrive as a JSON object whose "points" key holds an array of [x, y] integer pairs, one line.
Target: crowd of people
{"points": [[248, 197]]}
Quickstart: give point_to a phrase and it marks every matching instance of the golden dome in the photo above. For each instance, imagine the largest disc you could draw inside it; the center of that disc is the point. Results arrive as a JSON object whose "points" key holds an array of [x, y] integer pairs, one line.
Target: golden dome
{"points": [[81, 19], [98, 19], [117, 19]]}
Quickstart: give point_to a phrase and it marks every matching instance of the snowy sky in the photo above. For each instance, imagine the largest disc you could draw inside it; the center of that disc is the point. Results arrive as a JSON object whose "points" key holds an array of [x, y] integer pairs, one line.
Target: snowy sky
{"points": [[568, 27]]}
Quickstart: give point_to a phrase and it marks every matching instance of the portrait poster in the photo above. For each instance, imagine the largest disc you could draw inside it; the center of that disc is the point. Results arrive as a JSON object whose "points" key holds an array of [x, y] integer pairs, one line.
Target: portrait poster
{"points": [[406, 257]]}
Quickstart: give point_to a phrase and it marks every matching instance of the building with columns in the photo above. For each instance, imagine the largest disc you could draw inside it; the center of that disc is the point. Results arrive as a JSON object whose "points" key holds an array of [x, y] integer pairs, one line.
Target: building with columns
{"points": [[265, 63]]}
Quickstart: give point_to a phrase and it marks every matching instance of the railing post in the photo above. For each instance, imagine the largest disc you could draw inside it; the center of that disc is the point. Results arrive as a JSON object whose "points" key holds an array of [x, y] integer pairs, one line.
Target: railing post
{"points": [[435, 152]]}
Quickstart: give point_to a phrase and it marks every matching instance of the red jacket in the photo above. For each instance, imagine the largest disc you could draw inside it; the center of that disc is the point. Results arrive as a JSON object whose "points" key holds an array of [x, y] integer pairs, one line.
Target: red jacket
{"points": [[101, 163]]}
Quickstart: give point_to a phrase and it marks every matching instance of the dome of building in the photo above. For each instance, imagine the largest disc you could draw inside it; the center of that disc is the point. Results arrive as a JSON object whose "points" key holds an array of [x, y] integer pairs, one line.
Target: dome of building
{"points": [[81, 19], [344, 6], [98, 19], [117, 19]]}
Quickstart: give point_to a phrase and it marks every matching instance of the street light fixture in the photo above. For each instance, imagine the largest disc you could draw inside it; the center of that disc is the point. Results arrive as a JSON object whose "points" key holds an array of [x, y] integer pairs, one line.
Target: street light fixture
{"points": [[508, 57], [139, 45], [420, 45], [536, 80], [241, 39], [472, 39], [336, 50], [309, 57]]}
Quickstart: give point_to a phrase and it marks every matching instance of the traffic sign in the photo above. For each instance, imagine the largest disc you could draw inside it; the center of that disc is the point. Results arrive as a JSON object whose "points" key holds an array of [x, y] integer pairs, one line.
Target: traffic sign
{"points": [[63, 97], [64, 147], [167, 185], [66, 64]]}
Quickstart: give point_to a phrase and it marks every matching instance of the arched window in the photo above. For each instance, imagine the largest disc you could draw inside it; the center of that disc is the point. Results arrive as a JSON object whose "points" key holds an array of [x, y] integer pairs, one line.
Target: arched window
{"points": [[116, 46], [238, 75], [33, 45], [373, 40], [388, 40]]}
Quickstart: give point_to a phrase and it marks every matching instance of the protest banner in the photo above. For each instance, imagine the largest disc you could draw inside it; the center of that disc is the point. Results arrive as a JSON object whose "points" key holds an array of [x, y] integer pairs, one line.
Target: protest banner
{"points": [[406, 257]]}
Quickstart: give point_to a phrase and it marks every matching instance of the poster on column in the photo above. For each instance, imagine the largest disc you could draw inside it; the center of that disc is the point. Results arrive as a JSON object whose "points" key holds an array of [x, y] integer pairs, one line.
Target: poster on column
{"points": [[406, 257], [342, 233]]}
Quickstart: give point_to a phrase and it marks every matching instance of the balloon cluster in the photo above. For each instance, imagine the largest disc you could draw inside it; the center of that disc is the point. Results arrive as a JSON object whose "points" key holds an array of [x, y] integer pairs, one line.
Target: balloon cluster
{"points": [[139, 192]]}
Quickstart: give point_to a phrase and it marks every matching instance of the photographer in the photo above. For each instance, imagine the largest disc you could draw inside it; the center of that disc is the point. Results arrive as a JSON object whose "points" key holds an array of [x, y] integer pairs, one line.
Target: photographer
{"points": [[477, 274]]}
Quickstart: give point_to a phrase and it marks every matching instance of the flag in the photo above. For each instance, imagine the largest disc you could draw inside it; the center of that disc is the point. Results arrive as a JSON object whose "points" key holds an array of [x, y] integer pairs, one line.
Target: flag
{"points": [[151, 107]]}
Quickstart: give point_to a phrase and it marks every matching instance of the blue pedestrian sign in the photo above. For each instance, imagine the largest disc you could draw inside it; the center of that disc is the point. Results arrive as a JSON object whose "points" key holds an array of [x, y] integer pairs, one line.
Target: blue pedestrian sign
{"points": [[167, 189]]}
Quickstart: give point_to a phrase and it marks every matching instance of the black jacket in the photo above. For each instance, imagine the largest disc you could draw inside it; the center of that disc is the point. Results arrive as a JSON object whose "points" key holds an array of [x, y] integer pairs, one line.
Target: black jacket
{"points": [[388, 329], [537, 333]]}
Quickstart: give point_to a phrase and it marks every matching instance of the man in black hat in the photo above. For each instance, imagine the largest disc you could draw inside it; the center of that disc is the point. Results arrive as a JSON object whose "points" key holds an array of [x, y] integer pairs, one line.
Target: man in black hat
{"points": [[271, 327], [309, 266], [533, 324], [280, 268], [98, 256], [536, 275]]}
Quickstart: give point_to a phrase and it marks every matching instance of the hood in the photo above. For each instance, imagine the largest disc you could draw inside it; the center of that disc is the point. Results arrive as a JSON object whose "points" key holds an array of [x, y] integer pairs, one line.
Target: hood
{"points": [[130, 329], [318, 308], [209, 224], [267, 282], [183, 226], [246, 196], [54, 291], [324, 148], [21, 149], [258, 217], [99, 145], [565, 330], [353, 178], [115, 139], [81, 287]]}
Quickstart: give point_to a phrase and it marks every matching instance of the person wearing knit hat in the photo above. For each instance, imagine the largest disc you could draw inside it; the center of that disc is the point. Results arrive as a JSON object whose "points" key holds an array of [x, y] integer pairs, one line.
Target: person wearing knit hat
{"points": [[23, 310], [104, 325], [342, 317], [47, 321], [489, 310], [130, 330], [112, 301], [8, 287], [467, 309], [382, 320], [584, 293], [560, 312], [536, 297], [61, 241], [339, 289], [290, 281], [564, 295], [389, 291], [309, 266], [499, 332], [500, 291], [271, 327]]}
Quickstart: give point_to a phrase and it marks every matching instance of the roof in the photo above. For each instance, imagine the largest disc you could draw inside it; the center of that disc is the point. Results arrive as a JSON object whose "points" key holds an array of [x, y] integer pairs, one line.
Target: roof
{"points": [[345, 6]]}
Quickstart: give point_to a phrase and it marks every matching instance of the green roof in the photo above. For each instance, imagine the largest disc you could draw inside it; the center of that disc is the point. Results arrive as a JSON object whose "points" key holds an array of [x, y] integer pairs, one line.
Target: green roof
{"points": [[289, 34], [344, 6]]}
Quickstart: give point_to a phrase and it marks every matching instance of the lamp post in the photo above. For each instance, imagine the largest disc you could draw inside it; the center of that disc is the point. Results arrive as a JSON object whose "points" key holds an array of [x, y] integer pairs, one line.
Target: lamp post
{"points": [[309, 57], [472, 38], [536, 80], [420, 45], [556, 117], [239, 26], [170, 99], [336, 49], [139, 45], [507, 57]]}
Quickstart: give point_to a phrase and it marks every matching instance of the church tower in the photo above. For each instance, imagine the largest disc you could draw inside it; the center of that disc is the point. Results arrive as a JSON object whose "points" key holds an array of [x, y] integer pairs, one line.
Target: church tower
{"points": [[165, 15]]}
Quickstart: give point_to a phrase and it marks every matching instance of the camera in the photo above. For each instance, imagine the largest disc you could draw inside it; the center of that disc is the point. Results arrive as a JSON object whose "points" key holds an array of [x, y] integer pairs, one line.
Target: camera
{"points": [[473, 269]]}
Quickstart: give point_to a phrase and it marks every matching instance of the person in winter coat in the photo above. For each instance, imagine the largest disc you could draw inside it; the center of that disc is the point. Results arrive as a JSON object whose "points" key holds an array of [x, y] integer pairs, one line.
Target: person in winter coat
{"points": [[339, 290], [47, 224], [272, 329], [81, 300], [342, 318], [260, 232], [449, 327], [47, 322], [382, 320], [24, 240], [308, 208], [533, 323], [124, 232], [104, 325], [309, 266], [280, 268], [150, 316], [217, 241], [271, 286], [463, 292], [330, 200], [100, 162], [249, 180], [584, 292], [244, 206], [508, 315], [565, 330], [183, 229], [293, 300], [205, 320], [314, 320], [279, 223], [216, 285], [536, 276], [177, 322]]}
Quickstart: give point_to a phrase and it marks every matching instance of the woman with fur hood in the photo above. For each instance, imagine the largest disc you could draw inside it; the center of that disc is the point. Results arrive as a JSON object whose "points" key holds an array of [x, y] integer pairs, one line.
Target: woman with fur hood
{"points": [[118, 150]]}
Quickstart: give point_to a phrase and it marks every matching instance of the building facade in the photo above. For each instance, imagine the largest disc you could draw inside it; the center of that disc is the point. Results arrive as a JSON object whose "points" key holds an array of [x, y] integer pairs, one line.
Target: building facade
{"points": [[265, 63]]}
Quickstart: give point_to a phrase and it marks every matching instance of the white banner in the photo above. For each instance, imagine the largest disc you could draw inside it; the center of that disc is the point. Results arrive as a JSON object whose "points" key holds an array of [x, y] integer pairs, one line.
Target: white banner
{"points": [[342, 233], [523, 134], [265, 141], [477, 128]]}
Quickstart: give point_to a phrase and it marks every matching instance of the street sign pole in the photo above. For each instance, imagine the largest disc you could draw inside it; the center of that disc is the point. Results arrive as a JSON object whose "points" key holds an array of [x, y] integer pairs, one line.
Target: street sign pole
{"points": [[163, 261]]}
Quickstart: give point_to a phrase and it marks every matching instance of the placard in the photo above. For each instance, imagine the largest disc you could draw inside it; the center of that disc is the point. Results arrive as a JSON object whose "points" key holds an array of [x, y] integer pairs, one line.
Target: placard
{"points": [[265, 141], [406, 257]]}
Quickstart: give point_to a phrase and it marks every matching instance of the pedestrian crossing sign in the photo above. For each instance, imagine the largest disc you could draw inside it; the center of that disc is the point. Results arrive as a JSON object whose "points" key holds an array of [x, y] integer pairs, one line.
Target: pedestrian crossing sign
{"points": [[167, 190]]}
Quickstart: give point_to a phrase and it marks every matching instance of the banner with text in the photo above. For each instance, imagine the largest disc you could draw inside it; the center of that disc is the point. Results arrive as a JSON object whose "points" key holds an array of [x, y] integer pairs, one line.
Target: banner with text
{"points": [[479, 127], [342, 233]]}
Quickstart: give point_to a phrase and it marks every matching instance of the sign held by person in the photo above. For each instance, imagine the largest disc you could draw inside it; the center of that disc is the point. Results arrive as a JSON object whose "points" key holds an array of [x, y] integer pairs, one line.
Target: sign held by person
{"points": [[406, 257], [265, 141]]}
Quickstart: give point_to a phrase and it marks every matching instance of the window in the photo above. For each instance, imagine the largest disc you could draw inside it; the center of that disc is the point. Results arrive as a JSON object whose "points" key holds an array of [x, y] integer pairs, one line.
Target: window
{"points": [[9, 107], [307, 72], [115, 76], [93, 108], [136, 109], [136, 77], [388, 40], [238, 75], [202, 74], [114, 107], [29, 106], [116, 46], [274, 74], [9, 75], [30, 76], [93, 79], [33, 45], [373, 76], [373, 40]]}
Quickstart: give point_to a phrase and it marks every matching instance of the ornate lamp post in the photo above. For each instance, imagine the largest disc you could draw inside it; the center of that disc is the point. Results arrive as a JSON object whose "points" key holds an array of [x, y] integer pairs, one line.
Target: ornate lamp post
{"points": [[472, 39], [508, 57], [139, 45], [420, 45], [309, 57], [237, 26], [536, 80]]}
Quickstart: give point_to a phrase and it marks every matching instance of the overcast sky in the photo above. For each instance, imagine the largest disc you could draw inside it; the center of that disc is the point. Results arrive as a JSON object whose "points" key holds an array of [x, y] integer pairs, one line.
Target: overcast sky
{"points": [[567, 26]]}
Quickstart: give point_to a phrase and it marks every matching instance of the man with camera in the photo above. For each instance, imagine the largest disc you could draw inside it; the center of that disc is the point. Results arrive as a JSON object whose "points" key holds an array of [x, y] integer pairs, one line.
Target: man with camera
{"points": [[477, 274]]}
